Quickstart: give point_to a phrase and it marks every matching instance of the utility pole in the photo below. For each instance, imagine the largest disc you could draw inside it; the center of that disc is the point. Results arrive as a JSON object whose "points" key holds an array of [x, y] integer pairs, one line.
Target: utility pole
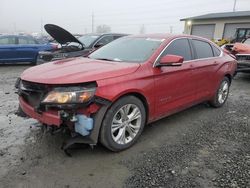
{"points": [[171, 29], [15, 28], [234, 5], [92, 22], [142, 29], [41, 26]]}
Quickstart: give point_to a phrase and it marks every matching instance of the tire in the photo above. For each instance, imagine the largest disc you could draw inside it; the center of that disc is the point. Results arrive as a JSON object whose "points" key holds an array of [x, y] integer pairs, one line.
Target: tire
{"points": [[221, 95], [20, 112], [40, 61], [123, 123], [37, 62]]}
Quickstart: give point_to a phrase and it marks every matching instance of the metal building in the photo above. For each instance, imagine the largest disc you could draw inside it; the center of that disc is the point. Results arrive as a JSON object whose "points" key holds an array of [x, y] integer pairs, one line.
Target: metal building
{"points": [[217, 25]]}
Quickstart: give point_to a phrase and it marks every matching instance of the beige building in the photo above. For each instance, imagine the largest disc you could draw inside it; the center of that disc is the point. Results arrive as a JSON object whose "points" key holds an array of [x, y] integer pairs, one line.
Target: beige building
{"points": [[217, 25]]}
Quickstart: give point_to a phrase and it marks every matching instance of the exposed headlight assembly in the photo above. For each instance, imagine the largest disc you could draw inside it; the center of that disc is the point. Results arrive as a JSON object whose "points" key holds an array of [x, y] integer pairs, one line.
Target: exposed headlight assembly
{"points": [[69, 95]]}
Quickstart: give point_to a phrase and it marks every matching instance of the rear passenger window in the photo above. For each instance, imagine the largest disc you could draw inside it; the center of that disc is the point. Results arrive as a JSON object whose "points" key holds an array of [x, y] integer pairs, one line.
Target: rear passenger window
{"points": [[23, 40], [26, 40], [217, 52], [203, 49], [179, 47]]}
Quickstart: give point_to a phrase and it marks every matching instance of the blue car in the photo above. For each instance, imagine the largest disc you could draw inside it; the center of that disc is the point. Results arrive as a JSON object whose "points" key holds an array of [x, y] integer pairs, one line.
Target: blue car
{"points": [[21, 48]]}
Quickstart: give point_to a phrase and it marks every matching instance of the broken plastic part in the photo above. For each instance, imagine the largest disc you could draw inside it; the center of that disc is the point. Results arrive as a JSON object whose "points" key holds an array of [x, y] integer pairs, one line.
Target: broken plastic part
{"points": [[83, 125]]}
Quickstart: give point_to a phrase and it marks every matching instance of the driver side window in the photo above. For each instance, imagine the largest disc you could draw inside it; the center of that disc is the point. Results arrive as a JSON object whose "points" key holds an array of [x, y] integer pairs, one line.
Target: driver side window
{"points": [[179, 47]]}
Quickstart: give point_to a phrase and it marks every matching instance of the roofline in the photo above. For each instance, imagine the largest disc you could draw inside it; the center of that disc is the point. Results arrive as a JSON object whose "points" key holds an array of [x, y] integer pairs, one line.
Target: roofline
{"points": [[100, 34], [216, 18], [202, 17]]}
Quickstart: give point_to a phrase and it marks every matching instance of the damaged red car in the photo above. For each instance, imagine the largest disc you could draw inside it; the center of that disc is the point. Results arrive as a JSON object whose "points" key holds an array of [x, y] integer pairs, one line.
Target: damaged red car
{"points": [[242, 54], [113, 93]]}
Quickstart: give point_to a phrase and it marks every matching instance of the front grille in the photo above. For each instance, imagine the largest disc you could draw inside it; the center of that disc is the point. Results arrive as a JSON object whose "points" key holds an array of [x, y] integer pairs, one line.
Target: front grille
{"points": [[32, 93]]}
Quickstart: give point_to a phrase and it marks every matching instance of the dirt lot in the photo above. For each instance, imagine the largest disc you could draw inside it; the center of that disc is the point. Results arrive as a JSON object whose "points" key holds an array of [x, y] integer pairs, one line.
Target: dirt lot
{"points": [[199, 147]]}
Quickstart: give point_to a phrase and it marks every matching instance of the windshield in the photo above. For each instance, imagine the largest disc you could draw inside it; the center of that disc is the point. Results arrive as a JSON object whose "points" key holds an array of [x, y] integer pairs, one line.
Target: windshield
{"points": [[87, 40], [127, 49]]}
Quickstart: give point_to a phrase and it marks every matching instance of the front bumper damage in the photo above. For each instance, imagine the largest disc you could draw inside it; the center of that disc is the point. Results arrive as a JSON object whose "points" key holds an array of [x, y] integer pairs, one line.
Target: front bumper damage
{"points": [[82, 121], [48, 118]]}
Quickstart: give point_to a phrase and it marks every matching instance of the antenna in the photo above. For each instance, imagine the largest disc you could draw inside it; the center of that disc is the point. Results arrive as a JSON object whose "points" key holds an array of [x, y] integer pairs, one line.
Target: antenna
{"points": [[92, 22], [171, 29]]}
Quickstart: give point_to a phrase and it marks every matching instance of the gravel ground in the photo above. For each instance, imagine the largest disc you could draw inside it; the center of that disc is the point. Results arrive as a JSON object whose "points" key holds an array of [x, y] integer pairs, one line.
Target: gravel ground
{"points": [[199, 147], [216, 153]]}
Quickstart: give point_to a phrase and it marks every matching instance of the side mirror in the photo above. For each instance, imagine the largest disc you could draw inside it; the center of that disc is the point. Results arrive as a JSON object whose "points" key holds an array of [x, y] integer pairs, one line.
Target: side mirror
{"points": [[98, 45], [171, 60]]}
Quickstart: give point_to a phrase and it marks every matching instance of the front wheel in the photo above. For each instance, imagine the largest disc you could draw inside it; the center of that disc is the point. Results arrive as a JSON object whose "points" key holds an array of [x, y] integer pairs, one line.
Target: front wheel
{"points": [[123, 123], [20, 112], [221, 94]]}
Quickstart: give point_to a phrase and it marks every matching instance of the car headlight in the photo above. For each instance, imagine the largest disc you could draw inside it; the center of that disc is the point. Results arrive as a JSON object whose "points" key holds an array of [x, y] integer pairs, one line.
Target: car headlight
{"points": [[69, 95]]}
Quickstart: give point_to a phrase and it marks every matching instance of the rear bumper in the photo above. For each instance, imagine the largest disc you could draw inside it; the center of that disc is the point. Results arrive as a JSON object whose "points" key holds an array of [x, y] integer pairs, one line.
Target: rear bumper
{"points": [[45, 117], [243, 66]]}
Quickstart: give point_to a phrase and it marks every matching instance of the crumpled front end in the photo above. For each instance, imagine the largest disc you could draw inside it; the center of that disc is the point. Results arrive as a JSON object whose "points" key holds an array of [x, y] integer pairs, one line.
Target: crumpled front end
{"points": [[82, 118]]}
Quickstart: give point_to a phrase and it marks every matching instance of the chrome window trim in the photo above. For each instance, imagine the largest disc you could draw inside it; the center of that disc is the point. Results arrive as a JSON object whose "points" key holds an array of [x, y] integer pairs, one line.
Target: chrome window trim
{"points": [[221, 51], [193, 60], [242, 54], [154, 65]]}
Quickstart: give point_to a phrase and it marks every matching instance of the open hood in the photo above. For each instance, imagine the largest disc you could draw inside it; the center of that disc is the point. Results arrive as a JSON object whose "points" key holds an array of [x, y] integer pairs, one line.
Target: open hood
{"points": [[60, 35]]}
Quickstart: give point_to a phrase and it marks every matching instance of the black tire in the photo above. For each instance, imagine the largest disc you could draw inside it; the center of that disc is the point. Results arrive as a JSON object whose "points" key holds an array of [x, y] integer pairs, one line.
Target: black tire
{"points": [[106, 138], [215, 102], [20, 112]]}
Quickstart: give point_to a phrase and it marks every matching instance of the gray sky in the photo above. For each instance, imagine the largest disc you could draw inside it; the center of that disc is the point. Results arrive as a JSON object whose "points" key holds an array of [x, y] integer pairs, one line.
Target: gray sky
{"points": [[125, 16]]}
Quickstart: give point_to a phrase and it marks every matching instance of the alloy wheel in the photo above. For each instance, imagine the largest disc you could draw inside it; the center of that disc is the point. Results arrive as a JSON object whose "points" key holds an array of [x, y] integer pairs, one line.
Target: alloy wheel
{"points": [[223, 92], [126, 124]]}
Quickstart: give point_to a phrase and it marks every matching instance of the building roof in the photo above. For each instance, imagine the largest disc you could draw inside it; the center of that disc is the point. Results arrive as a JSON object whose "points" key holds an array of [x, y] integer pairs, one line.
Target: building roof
{"points": [[219, 15]]}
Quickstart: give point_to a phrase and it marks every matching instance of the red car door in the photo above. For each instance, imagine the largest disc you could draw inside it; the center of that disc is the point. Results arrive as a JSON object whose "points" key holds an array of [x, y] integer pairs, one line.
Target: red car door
{"points": [[203, 67], [174, 86]]}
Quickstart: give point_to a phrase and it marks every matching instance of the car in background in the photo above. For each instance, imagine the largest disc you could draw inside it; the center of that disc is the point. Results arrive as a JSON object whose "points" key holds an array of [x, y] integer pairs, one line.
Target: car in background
{"points": [[242, 54], [74, 46], [21, 48], [113, 93], [241, 51]]}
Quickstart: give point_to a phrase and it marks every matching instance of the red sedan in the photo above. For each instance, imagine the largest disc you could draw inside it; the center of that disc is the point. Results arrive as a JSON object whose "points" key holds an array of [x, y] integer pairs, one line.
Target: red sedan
{"points": [[111, 95]]}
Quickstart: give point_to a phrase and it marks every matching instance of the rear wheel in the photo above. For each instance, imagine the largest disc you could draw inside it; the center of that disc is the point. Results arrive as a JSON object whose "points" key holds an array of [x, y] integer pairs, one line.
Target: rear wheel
{"points": [[123, 123], [221, 94]]}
